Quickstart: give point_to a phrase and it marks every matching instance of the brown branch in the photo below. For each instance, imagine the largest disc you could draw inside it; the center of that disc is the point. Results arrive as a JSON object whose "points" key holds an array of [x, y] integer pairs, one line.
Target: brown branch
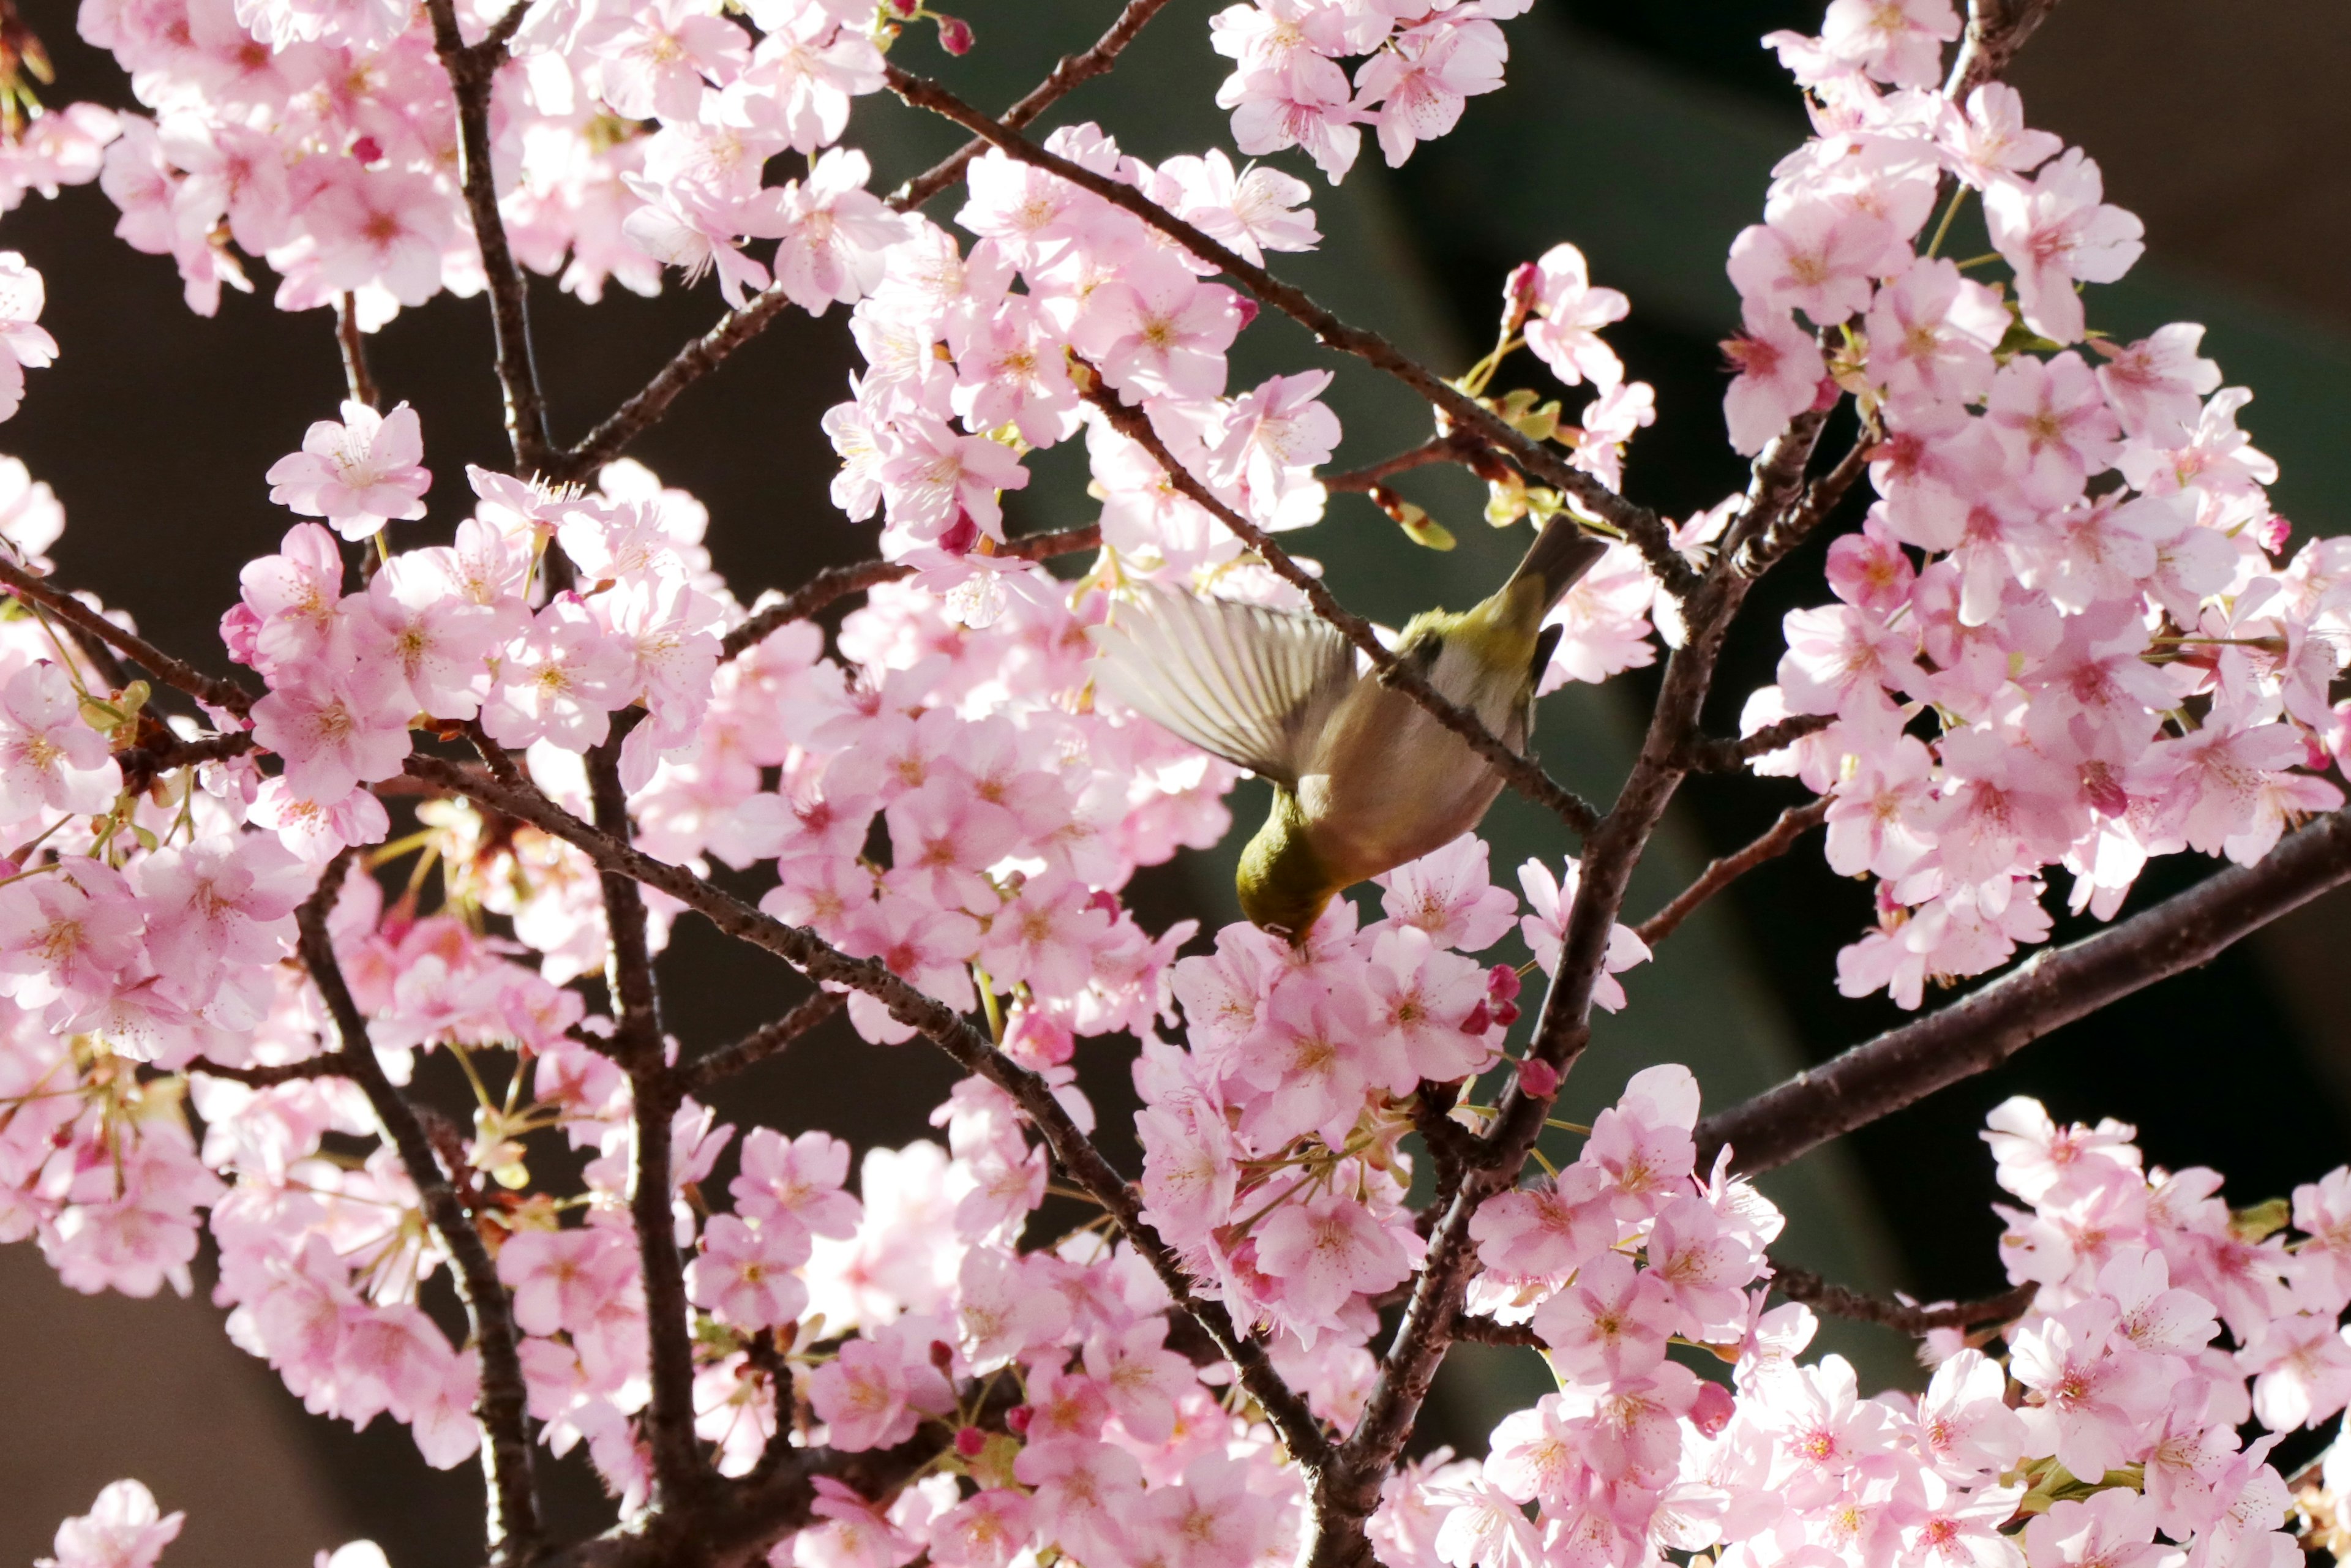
{"points": [[1793, 825], [1996, 30], [1757, 554], [357, 381], [1453, 447], [1638, 524], [1522, 773], [142, 765], [705, 353], [1073, 70], [760, 1043], [837, 582], [680, 1473], [2052, 988], [1350, 1490], [1470, 1330], [271, 1075], [1837, 1300], [473, 70], [1704, 755], [515, 1530], [172, 672], [821, 962]]}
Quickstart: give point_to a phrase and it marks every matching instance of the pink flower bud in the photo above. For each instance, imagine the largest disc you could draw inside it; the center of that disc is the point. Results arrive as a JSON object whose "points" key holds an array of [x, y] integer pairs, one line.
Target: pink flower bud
{"points": [[971, 1440], [1016, 1419], [1480, 1019], [962, 535], [1519, 291], [955, 35], [1540, 1079], [1247, 308], [1711, 1411], [1502, 982], [367, 150], [1505, 1014], [942, 1354]]}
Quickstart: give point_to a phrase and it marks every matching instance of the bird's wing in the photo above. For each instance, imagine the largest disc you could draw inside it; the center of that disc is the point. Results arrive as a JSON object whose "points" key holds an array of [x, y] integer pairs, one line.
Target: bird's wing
{"points": [[1245, 683]]}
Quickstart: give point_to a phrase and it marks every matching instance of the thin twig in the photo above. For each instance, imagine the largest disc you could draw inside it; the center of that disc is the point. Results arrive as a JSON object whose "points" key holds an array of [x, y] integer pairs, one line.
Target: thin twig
{"points": [[1348, 1491], [2052, 988], [172, 672], [271, 1075], [1638, 524], [1472, 1330], [1755, 556], [1070, 72], [646, 408], [1838, 1301], [1996, 30], [473, 70], [821, 962], [353, 343], [142, 765], [837, 582], [1704, 755], [1454, 447], [1523, 774], [1793, 825], [760, 1043], [515, 1530]]}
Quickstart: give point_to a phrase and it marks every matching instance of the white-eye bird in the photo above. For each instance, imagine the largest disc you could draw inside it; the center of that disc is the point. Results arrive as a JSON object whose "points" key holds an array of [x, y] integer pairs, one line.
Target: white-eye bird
{"points": [[1364, 778]]}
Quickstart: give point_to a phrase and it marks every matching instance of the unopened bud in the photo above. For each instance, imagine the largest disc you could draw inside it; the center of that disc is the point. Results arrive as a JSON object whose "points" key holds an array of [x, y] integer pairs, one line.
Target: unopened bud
{"points": [[367, 150], [1540, 1079], [1247, 307], [1016, 1419], [955, 35], [1480, 1019], [1502, 982], [1711, 1411], [942, 1354], [970, 1441], [1505, 1014], [961, 535]]}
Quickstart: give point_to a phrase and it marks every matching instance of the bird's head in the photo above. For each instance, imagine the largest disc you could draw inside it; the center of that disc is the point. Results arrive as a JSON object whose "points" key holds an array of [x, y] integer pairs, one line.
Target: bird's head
{"points": [[1284, 885]]}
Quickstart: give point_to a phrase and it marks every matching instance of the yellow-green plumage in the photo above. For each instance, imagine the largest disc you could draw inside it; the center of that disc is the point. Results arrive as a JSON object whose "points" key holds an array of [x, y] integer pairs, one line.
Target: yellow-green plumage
{"points": [[1364, 779]]}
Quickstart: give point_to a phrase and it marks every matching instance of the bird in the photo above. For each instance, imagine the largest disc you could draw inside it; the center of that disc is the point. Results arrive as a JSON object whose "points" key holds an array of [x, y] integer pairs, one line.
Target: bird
{"points": [[1364, 778]]}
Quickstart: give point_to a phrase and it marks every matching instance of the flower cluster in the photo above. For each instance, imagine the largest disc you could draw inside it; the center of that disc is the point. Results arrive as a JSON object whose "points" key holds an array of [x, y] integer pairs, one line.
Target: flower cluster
{"points": [[2068, 632]]}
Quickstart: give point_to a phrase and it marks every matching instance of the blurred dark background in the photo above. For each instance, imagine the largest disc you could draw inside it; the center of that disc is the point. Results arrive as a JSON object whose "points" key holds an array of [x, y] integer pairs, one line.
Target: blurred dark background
{"points": [[1642, 133]]}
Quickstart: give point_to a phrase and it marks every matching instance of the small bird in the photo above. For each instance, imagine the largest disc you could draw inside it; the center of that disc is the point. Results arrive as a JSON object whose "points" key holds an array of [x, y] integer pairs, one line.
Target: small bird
{"points": [[1363, 778]]}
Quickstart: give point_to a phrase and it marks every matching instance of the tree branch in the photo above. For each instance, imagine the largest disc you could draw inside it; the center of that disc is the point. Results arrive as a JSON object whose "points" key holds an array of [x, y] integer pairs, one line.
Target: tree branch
{"points": [[515, 1530], [714, 348], [679, 1473], [357, 380], [1073, 70], [142, 763], [1996, 30], [760, 1043], [2052, 988], [1837, 1300], [1351, 1491], [172, 672], [1454, 447], [270, 1076], [835, 583], [1793, 825], [821, 962], [1522, 773], [1637, 524], [1704, 755], [473, 70]]}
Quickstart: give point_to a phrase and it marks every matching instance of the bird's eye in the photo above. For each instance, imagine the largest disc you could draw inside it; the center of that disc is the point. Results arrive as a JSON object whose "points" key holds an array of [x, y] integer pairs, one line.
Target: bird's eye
{"points": [[1425, 650]]}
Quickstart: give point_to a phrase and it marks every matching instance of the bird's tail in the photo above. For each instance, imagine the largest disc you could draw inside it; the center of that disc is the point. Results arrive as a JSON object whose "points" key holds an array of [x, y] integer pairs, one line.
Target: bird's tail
{"points": [[1559, 557]]}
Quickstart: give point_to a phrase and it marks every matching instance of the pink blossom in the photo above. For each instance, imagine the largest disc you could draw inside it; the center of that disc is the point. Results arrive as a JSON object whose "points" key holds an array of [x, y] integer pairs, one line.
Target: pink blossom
{"points": [[359, 475], [743, 1275], [123, 1529], [1780, 373], [2056, 231]]}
